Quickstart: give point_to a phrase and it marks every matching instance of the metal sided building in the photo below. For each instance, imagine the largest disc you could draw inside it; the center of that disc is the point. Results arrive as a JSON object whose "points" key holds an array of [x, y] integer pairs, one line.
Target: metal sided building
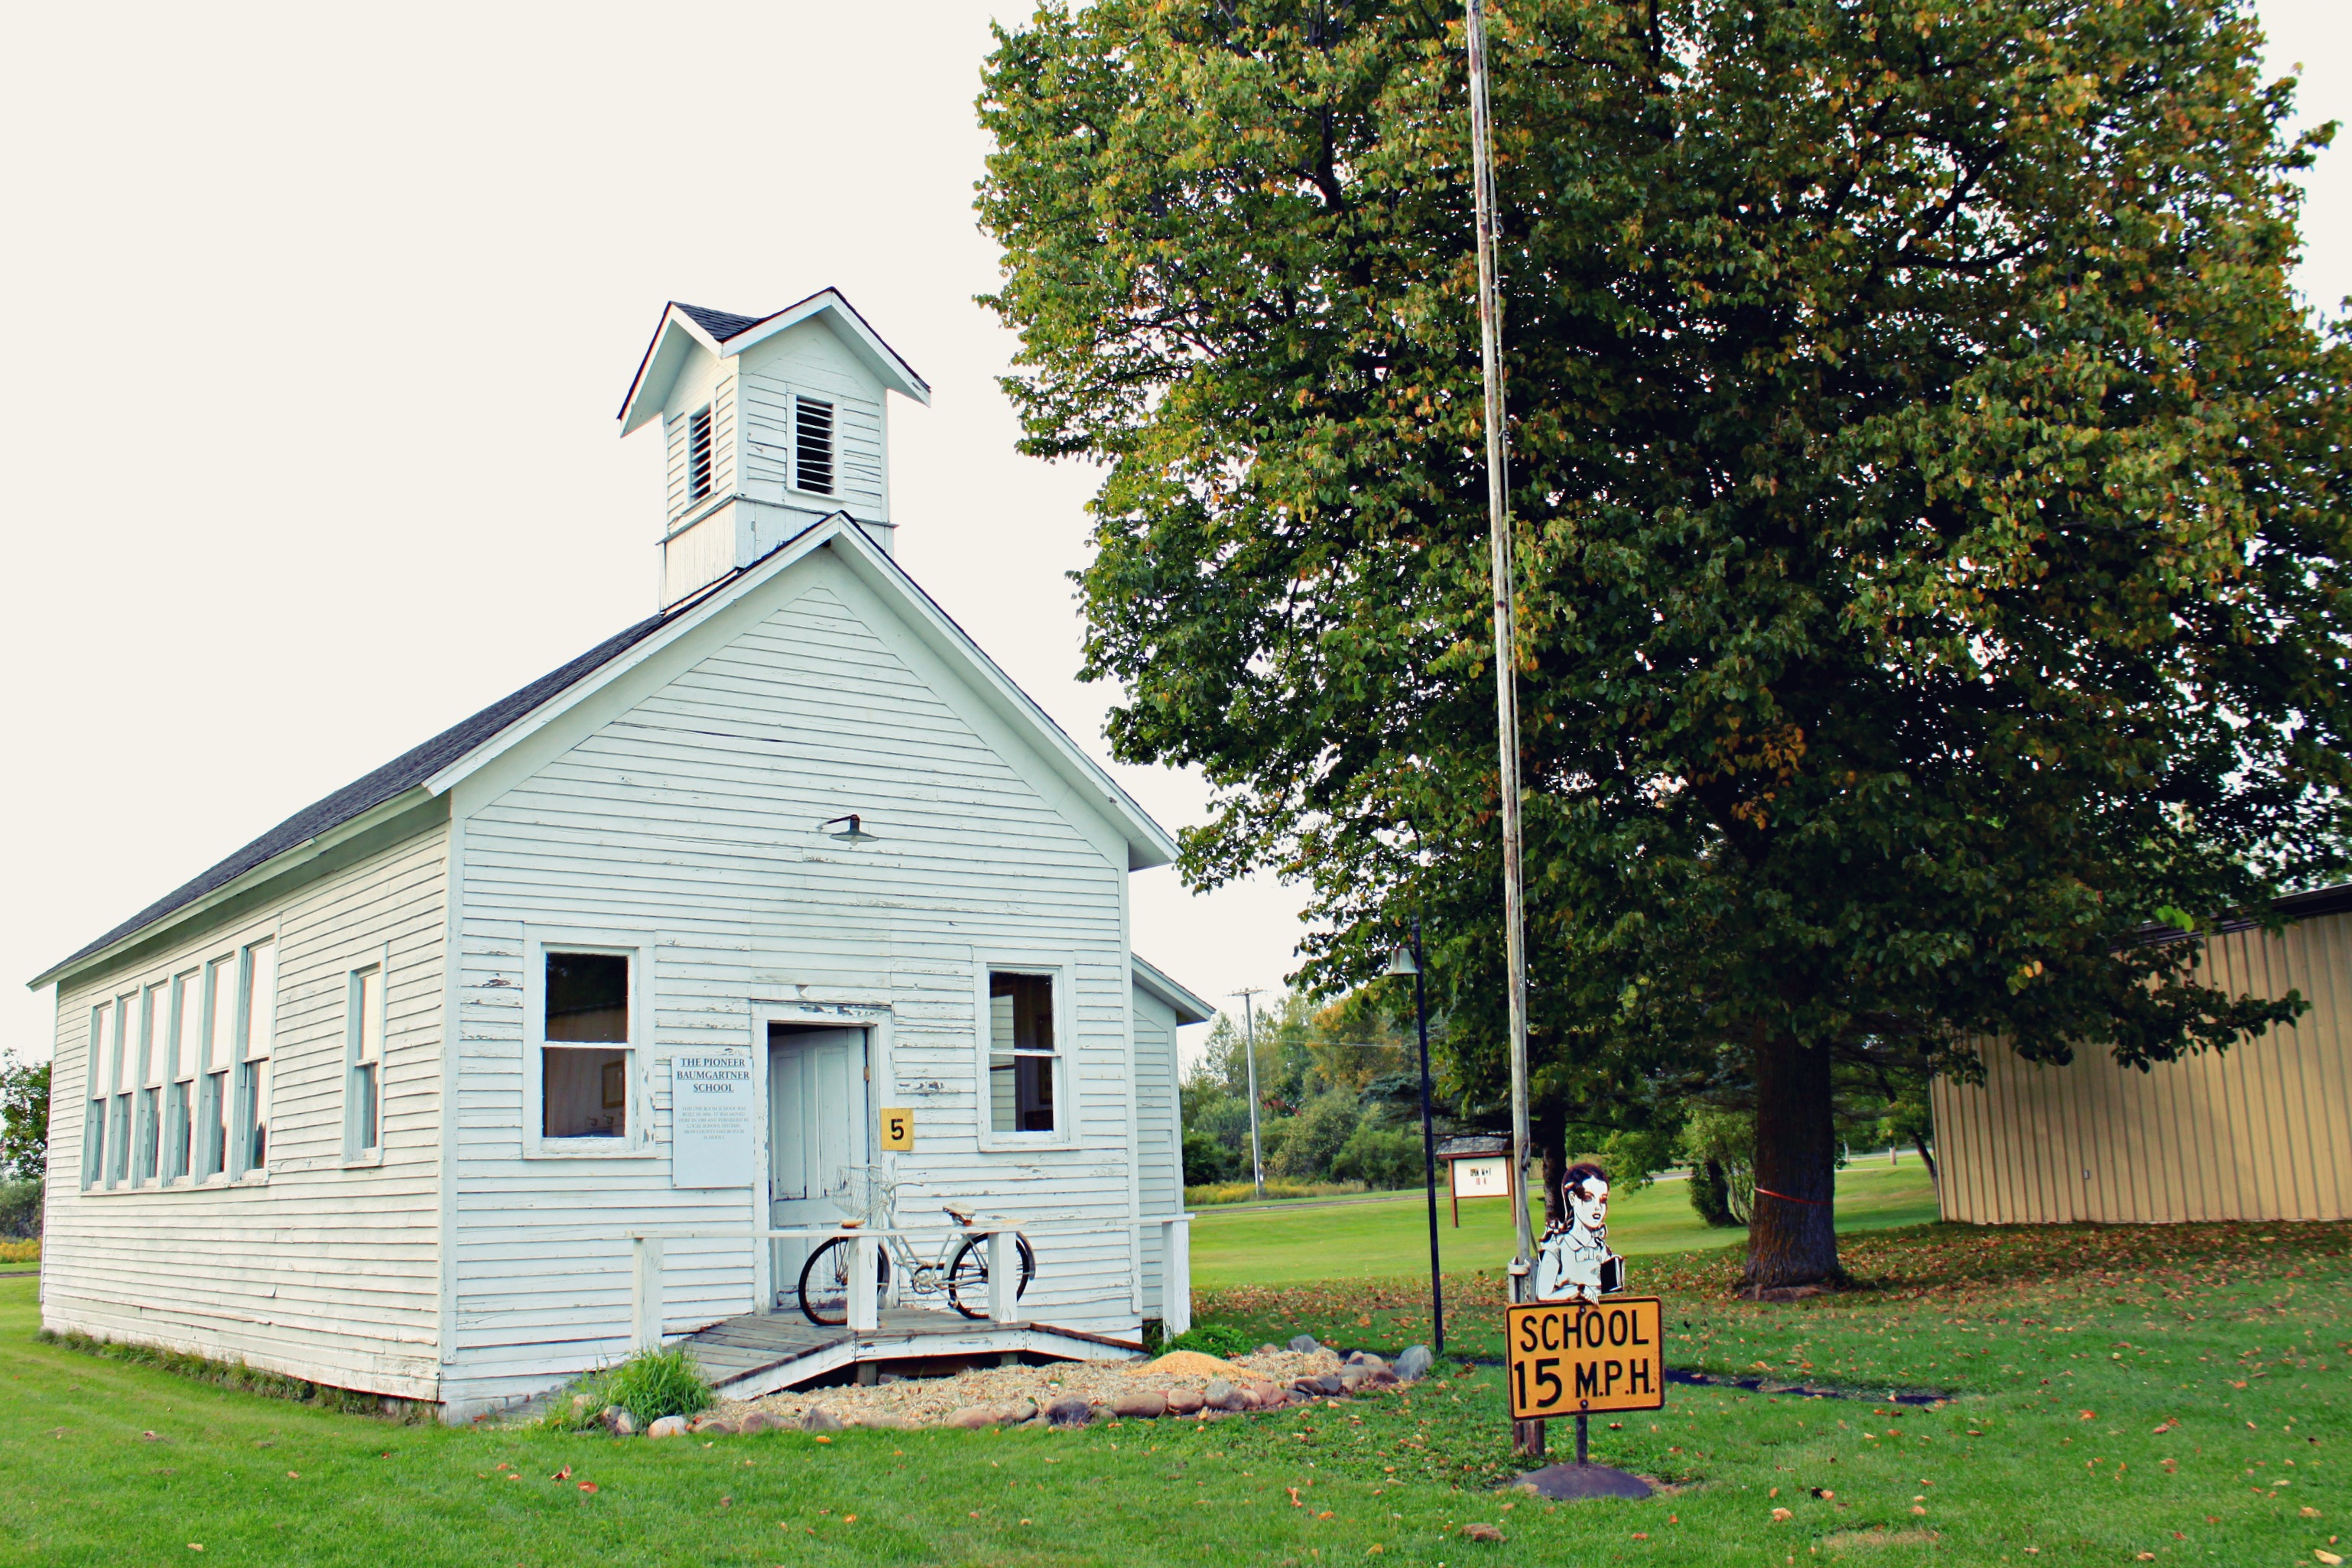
{"points": [[2260, 1132]]}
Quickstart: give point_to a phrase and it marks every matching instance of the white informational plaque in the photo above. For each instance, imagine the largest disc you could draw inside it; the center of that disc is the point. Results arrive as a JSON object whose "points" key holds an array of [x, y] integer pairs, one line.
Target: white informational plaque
{"points": [[1481, 1178], [711, 1118]]}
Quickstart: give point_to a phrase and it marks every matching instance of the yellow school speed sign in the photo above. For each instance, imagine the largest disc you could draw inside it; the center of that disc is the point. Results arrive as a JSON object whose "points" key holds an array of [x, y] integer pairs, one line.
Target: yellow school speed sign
{"points": [[1567, 1358]]}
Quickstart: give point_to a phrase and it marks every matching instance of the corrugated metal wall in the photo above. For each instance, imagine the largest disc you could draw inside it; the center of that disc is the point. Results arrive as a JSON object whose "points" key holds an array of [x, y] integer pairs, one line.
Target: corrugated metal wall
{"points": [[2263, 1131]]}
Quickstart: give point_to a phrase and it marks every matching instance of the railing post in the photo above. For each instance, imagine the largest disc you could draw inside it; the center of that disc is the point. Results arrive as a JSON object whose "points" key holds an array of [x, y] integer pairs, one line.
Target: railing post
{"points": [[645, 1292], [1003, 1277], [864, 1309], [1175, 1274]]}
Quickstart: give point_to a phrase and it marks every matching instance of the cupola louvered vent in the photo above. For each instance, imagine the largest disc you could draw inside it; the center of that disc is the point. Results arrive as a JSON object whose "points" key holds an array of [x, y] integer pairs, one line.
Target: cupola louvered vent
{"points": [[697, 453], [813, 446]]}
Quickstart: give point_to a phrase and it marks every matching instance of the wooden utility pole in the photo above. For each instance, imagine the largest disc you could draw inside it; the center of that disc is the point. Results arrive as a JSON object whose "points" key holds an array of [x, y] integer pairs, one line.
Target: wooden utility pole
{"points": [[1528, 1436], [1249, 1046]]}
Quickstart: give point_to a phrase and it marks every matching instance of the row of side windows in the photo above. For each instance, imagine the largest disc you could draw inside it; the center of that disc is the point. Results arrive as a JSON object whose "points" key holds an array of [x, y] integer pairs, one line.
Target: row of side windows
{"points": [[179, 1075]]}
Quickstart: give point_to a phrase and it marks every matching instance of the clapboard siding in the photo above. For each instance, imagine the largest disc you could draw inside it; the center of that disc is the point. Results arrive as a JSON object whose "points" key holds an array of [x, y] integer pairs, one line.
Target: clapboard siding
{"points": [[691, 812], [2252, 1133], [809, 359], [710, 382], [1158, 1138], [320, 1272]]}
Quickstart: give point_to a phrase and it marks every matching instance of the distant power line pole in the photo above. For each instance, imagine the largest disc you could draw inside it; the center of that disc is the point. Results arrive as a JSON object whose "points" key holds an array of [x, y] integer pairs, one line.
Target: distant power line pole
{"points": [[1249, 1050]]}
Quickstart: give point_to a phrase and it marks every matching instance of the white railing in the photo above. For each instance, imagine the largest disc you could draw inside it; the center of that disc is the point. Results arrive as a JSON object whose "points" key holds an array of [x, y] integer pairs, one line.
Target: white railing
{"points": [[646, 1296]]}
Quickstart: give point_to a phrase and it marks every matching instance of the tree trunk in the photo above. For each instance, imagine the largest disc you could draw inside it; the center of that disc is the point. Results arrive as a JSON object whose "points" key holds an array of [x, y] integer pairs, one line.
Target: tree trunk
{"points": [[1550, 1134], [1792, 1235], [1929, 1159]]}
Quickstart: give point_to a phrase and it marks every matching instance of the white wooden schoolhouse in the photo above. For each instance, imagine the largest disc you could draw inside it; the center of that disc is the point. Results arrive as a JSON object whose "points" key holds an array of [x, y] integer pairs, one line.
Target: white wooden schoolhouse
{"points": [[399, 1097]]}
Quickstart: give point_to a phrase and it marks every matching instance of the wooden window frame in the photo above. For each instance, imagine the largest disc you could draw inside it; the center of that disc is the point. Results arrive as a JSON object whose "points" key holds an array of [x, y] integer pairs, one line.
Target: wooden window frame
{"points": [[147, 1117], [702, 471], [182, 1079], [638, 1142], [215, 1133], [97, 1097], [1060, 969], [120, 1090], [248, 1075], [832, 405], [363, 1082]]}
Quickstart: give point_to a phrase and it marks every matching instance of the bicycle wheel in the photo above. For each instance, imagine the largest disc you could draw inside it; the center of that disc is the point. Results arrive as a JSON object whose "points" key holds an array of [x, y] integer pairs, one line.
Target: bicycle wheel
{"points": [[968, 1275], [825, 1281]]}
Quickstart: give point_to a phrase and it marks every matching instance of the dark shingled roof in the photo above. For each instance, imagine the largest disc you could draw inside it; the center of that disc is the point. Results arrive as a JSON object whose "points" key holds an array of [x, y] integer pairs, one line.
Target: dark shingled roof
{"points": [[396, 777], [721, 324]]}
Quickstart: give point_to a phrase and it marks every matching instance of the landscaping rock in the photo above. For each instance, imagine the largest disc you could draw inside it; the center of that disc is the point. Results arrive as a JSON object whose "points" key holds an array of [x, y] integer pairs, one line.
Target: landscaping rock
{"points": [[1223, 1396], [1414, 1363], [667, 1426], [1070, 1412], [1146, 1406], [1306, 1344], [716, 1426], [1019, 1412], [1380, 1377], [1269, 1349], [1267, 1396], [621, 1424], [820, 1420], [759, 1421], [972, 1418], [1184, 1401]]}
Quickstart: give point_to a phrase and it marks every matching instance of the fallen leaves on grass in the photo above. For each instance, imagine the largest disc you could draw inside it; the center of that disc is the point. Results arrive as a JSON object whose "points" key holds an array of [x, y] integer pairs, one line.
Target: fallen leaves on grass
{"points": [[590, 1487], [562, 1475], [1781, 1515], [1483, 1532]]}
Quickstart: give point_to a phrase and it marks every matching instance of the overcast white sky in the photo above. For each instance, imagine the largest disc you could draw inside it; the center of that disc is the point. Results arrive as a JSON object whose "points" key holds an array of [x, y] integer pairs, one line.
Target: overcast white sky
{"points": [[321, 315]]}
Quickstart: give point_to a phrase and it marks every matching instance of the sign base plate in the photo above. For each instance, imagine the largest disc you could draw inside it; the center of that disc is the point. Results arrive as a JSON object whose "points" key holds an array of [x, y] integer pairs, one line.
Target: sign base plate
{"points": [[1567, 1481]]}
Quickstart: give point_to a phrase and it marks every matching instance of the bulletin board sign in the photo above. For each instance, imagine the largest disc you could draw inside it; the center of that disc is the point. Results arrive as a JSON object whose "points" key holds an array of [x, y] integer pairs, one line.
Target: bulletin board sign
{"points": [[1570, 1358], [1476, 1176], [711, 1118], [1486, 1176]]}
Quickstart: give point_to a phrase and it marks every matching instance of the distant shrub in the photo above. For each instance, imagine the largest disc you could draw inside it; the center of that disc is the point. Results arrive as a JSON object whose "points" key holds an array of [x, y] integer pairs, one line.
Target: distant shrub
{"points": [[1207, 1160], [20, 1209], [1239, 1191], [20, 1251], [1220, 1340], [1382, 1157]]}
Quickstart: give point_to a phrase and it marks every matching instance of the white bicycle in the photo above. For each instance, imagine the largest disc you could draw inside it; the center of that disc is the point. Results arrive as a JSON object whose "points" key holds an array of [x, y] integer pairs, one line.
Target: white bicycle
{"points": [[960, 1271]]}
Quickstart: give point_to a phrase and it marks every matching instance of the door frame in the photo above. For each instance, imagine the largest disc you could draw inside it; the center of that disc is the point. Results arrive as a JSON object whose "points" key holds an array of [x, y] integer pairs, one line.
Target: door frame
{"points": [[875, 1019]]}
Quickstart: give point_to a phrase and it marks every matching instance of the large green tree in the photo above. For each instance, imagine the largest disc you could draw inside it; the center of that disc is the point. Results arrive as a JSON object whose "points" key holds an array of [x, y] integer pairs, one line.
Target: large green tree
{"points": [[1929, 498]]}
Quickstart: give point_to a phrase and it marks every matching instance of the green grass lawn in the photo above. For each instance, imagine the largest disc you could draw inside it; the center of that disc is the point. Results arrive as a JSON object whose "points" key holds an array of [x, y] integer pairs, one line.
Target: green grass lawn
{"points": [[1283, 1243], [2064, 1352]]}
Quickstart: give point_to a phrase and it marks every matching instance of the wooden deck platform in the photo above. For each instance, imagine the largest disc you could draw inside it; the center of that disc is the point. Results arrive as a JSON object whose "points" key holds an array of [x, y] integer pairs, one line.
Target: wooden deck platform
{"points": [[759, 1352]]}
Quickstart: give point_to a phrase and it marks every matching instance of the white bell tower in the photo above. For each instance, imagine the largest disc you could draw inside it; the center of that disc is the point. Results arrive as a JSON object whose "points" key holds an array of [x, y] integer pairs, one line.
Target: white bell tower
{"points": [[770, 424]]}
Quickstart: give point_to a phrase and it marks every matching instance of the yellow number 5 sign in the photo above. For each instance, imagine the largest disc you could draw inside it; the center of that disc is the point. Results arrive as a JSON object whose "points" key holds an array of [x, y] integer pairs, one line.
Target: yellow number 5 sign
{"points": [[898, 1128], [1568, 1358]]}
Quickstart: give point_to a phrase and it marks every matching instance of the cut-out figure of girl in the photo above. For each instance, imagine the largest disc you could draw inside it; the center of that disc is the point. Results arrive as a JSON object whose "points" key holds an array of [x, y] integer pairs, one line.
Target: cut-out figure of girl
{"points": [[1573, 1262]]}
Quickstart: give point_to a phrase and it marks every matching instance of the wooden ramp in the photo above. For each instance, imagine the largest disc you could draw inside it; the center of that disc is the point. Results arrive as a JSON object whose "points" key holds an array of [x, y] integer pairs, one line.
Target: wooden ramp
{"points": [[761, 1352]]}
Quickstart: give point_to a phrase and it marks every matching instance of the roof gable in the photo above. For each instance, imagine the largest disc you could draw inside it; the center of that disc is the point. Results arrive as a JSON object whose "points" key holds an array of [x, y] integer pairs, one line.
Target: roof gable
{"points": [[456, 753], [685, 328]]}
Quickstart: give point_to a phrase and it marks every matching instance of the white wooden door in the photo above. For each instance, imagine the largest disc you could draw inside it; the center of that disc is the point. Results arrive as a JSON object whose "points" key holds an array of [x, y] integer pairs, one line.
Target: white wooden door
{"points": [[817, 1138]]}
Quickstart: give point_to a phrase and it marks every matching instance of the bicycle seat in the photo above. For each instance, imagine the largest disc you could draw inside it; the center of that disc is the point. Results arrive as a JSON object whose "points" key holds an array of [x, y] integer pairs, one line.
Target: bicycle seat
{"points": [[960, 1216]]}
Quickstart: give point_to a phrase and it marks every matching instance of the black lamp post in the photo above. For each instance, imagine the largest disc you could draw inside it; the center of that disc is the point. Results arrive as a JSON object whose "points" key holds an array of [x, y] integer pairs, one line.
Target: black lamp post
{"points": [[1407, 961]]}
